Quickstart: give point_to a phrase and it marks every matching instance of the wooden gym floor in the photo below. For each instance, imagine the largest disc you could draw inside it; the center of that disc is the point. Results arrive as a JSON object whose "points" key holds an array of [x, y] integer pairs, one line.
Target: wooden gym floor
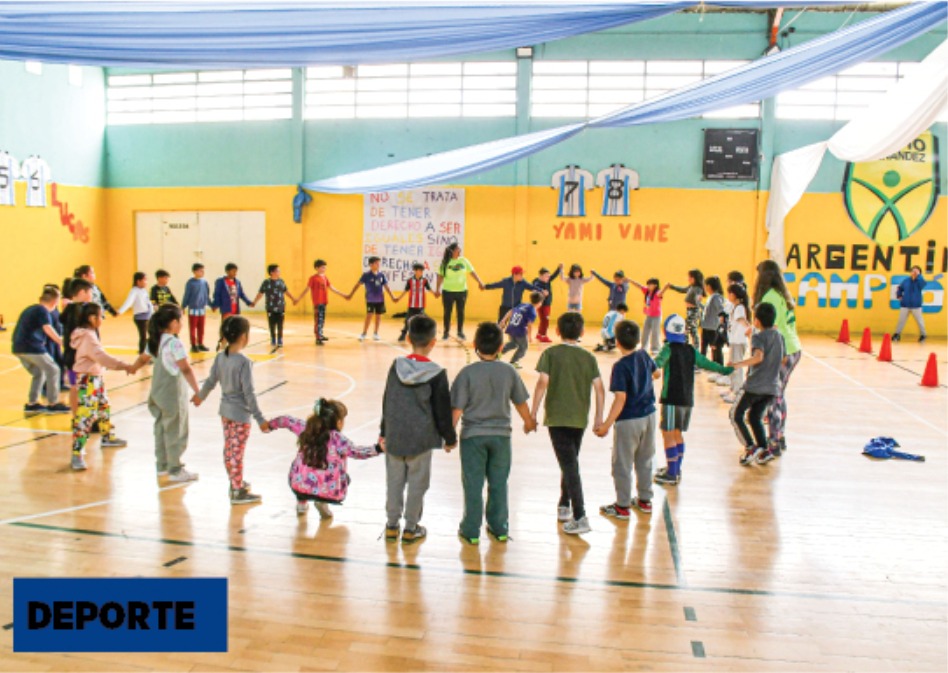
{"points": [[823, 560]]}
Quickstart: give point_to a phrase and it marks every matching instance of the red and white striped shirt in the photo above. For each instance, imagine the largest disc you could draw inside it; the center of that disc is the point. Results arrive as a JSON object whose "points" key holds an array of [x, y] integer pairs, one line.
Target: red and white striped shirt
{"points": [[417, 287]]}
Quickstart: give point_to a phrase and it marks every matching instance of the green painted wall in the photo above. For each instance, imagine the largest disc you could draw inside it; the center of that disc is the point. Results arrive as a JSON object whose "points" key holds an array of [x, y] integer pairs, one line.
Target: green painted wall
{"points": [[64, 124], [666, 155]]}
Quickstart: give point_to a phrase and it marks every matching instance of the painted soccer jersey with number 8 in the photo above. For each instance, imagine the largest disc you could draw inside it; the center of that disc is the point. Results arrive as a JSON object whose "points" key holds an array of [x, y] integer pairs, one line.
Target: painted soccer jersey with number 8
{"points": [[617, 181]]}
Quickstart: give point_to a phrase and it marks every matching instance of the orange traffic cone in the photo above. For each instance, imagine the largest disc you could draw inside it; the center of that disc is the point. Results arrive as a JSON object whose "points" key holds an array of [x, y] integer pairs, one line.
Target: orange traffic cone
{"points": [[885, 350], [866, 345], [843, 337], [930, 377]]}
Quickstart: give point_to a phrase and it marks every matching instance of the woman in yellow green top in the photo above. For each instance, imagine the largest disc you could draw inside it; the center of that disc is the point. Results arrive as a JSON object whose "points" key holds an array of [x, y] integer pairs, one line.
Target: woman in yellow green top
{"points": [[452, 286], [771, 289]]}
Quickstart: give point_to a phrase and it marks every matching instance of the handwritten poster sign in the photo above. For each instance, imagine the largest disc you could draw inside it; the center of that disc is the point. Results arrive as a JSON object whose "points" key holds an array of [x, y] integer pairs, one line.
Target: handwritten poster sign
{"points": [[411, 226]]}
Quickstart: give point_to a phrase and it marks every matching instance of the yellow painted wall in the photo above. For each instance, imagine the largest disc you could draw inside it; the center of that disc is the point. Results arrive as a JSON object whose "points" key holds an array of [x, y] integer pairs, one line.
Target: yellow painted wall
{"points": [[713, 230], [498, 235], [821, 220], [38, 248]]}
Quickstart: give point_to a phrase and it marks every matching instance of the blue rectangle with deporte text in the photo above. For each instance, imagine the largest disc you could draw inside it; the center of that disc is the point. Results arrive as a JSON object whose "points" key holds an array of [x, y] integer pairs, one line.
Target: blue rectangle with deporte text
{"points": [[120, 615]]}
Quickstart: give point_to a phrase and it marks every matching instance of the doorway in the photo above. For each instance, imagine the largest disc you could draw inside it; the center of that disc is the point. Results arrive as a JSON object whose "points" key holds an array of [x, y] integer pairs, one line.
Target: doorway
{"points": [[175, 240]]}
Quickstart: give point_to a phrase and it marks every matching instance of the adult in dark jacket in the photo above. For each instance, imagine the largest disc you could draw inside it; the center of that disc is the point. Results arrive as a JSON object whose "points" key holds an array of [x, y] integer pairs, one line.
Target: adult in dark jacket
{"points": [[909, 293], [228, 292], [416, 418]]}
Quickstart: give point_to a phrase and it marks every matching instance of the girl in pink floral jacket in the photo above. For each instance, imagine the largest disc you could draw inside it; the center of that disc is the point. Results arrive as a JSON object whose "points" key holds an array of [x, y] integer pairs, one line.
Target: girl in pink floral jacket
{"points": [[318, 472]]}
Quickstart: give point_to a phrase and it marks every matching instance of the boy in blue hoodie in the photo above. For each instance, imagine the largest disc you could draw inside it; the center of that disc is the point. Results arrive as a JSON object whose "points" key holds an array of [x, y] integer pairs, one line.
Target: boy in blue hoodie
{"points": [[909, 293], [513, 287], [197, 296]]}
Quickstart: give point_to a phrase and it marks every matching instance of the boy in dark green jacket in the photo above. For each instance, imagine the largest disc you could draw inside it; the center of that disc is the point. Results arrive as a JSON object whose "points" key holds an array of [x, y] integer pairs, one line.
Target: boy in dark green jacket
{"points": [[676, 363]]}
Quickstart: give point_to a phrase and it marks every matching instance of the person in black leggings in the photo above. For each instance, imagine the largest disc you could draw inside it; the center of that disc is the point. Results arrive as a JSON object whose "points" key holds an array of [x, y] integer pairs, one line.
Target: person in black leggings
{"points": [[453, 272]]}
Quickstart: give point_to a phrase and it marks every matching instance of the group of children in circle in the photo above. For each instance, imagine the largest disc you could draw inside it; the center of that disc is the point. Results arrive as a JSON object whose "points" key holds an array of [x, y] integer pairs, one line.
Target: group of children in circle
{"points": [[480, 398]]}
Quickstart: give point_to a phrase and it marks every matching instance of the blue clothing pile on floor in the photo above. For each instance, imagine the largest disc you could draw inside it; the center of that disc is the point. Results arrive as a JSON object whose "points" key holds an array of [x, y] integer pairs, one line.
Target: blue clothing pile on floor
{"points": [[884, 447]]}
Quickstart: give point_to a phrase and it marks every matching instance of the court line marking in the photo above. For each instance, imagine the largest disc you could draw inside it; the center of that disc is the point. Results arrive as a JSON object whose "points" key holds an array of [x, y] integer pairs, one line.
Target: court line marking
{"points": [[877, 394], [894, 363], [673, 544], [50, 432], [76, 508], [627, 584]]}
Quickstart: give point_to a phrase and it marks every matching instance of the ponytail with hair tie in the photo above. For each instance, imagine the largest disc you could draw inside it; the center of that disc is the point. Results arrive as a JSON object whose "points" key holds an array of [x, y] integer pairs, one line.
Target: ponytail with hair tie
{"points": [[232, 329]]}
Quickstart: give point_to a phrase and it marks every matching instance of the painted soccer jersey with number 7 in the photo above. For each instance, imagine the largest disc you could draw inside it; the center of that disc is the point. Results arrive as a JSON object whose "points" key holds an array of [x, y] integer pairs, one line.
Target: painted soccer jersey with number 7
{"points": [[572, 183]]}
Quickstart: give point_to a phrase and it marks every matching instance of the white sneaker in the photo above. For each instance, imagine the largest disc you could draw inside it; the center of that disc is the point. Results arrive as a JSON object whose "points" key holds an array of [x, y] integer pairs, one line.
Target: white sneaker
{"points": [[730, 398], [564, 514], [376, 337], [577, 527], [361, 337], [713, 377], [182, 476], [324, 511], [162, 473], [301, 506], [724, 380]]}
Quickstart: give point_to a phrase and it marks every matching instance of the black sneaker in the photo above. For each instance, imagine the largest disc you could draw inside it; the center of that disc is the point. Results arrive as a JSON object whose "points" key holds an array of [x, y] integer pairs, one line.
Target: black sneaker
{"points": [[204, 349], [195, 349], [922, 338], [896, 337], [472, 541], [413, 535], [446, 337], [58, 408], [34, 409], [243, 496], [662, 477], [461, 336]]}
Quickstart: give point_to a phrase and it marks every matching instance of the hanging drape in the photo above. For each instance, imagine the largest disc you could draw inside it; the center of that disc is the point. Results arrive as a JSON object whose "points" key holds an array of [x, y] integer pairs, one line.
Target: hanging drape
{"points": [[909, 108], [751, 82], [255, 33]]}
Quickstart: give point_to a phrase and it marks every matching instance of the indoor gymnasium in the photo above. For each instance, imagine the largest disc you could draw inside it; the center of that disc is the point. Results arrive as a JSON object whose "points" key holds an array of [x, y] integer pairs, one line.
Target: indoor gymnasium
{"points": [[469, 335]]}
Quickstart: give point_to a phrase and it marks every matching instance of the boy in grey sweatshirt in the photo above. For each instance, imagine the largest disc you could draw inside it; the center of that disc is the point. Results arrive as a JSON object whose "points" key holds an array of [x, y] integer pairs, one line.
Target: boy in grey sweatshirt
{"points": [[416, 418]]}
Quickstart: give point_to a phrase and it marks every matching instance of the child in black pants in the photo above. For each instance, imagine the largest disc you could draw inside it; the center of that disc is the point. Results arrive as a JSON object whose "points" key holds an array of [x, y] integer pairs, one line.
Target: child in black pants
{"points": [[275, 292], [767, 352]]}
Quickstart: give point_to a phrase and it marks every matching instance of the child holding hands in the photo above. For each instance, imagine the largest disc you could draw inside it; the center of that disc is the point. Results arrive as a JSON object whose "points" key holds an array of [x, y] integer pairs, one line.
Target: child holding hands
{"points": [[91, 361], [233, 370], [319, 473]]}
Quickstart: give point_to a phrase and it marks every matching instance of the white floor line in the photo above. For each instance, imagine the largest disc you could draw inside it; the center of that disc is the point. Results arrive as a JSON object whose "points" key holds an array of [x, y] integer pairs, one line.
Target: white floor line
{"points": [[368, 339], [77, 508], [877, 394], [37, 430]]}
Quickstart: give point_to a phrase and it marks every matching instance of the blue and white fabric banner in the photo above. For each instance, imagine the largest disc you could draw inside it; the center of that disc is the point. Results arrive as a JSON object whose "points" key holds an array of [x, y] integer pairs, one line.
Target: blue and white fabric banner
{"points": [[748, 83], [255, 33]]}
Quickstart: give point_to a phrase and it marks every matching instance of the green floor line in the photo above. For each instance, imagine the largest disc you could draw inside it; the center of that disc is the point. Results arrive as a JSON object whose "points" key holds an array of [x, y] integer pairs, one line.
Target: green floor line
{"points": [[673, 544], [625, 584]]}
